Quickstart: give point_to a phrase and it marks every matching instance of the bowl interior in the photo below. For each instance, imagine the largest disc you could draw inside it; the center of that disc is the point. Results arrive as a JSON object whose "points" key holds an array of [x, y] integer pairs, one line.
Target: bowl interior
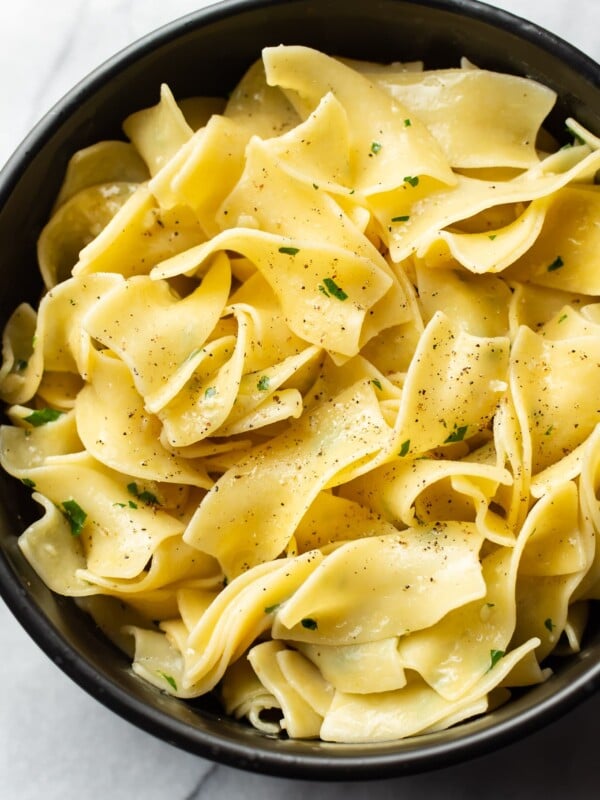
{"points": [[206, 53]]}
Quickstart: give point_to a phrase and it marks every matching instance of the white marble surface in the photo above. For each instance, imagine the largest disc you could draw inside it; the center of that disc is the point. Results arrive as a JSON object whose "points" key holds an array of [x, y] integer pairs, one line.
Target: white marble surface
{"points": [[58, 743]]}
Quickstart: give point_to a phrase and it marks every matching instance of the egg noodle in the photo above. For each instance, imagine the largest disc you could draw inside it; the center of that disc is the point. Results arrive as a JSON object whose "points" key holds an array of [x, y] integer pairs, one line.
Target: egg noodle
{"points": [[310, 402]]}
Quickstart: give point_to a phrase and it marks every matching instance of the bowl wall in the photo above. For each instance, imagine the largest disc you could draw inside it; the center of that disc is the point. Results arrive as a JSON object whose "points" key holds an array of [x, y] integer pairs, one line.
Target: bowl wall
{"points": [[206, 53]]}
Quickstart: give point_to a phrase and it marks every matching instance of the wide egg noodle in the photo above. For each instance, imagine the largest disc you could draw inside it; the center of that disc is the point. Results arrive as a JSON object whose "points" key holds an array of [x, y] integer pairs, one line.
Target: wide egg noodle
{"points": [[382, 154], [139, 236], [363, 668], [378, 587], [565, 254], [158, 334], [117, 430], [75, 225], [238, 616], [243, 695], [452, 387], [550, 382], [479, 304], [60, 333], [479, 118], [490, 251], [107, 162], [407, 711], [118, 534], [408, 216], [247, 525], [299, 717], [408, 491], [22, 363], [159, 132]]}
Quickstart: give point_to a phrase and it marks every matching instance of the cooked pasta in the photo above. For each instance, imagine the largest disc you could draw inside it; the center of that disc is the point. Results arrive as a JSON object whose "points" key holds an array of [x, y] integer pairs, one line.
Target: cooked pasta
{"points": [[308, 402]]}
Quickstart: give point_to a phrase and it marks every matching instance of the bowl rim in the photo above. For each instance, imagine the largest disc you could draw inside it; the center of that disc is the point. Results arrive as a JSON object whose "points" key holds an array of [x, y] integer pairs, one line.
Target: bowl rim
{"points": [[222, 749]]}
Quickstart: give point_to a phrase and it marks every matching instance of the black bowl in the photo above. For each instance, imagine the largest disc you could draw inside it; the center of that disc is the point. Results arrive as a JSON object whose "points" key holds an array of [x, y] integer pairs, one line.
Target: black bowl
{"points": [[206, 53]]}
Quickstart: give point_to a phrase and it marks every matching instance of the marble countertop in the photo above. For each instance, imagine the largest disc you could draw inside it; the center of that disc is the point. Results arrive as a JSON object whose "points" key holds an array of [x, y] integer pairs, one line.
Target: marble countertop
{"points": [[55, 740]]}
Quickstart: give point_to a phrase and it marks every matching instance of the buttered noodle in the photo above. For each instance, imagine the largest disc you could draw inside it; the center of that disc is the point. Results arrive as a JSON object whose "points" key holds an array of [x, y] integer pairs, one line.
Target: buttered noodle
{"points": [[310, 403]]}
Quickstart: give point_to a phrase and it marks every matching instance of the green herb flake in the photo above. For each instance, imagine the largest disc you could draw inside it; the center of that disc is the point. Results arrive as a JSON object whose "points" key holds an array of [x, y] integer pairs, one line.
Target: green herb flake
{"points": [[375, 147], [289, 251], [562, 318], [401, 218], [43, 416], [323, 290], [145, 496], [376, 382], [75, 515], [549, 624], [149, 498], [315, 186], [28, 482], [210, 392], [492, 236], [131, 504], [405, 448], [170, 680], [407, 123], [120, 505], [556, 264], [334, 290], [549, 430], [309, 623], [412, 180], [271, 609], [457, 435], [263, 383], [495, 656]]}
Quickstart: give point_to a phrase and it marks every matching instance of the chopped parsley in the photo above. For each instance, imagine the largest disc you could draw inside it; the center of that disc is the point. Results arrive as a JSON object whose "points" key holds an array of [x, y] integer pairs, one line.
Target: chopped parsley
{"points": [[401, 218], [495, 656], [210, 392], [145, 496], [407, 123], [42, 416], [549, 624], [315, 186], [120, 505], [309, 623], [413, 180], [375, 147], [332, 289], [170, 680], [457, 435], [492, 236], [549, 430], [75, 515], [289, 251], [271, 609], [556, 264], [405, 447], [28, 482], [376, 382], [263, 383], [562, 318]]}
